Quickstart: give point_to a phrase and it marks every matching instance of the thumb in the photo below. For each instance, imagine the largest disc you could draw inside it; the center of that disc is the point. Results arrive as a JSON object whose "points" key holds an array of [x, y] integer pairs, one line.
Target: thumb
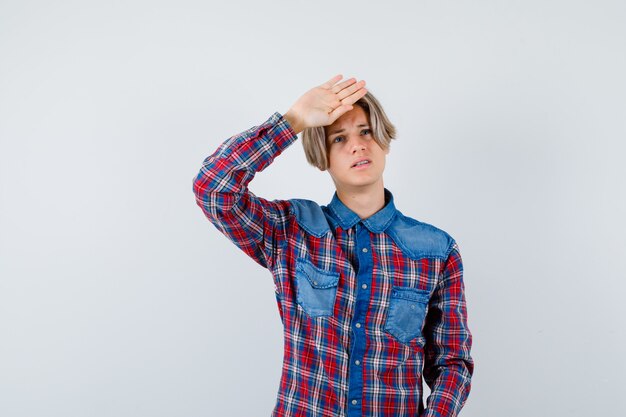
{"points": [[339, 111]]}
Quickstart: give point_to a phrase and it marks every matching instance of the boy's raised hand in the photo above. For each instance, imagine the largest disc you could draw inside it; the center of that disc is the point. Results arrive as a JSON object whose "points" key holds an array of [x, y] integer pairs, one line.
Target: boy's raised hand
{"points": [[322, 105]]}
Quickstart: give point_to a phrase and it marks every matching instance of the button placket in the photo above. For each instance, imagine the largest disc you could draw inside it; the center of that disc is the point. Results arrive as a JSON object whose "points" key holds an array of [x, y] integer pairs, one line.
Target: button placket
{"points": [[364, 277]]}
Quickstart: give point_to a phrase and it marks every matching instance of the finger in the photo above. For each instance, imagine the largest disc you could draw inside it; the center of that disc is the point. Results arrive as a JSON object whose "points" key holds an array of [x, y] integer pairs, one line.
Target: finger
{"points": [[350, 90], [332, 81], [337, 88], [354, 97], [338, 112], [332, 101]]}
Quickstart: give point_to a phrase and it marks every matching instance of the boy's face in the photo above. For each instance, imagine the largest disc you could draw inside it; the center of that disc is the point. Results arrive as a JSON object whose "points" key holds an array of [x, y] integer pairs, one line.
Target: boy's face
{"points": [[348, 140]]}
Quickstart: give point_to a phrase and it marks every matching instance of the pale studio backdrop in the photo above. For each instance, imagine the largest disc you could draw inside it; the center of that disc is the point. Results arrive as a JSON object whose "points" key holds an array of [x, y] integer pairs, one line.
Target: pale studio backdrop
{"points": [[118, 298]]}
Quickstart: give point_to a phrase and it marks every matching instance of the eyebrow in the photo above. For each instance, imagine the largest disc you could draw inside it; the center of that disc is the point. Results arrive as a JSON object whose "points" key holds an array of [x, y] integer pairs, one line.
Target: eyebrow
{"points": [[343, 130]]}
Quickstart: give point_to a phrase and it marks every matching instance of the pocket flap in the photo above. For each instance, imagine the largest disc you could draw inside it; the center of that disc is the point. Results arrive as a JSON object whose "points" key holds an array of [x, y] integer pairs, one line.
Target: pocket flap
{"points": [[317, 277], [411, 294]]}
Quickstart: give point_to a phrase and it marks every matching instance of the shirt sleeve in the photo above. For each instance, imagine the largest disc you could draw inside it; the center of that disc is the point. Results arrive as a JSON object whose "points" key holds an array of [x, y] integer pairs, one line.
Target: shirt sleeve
{"points": [[254, 224], [448, 366]]}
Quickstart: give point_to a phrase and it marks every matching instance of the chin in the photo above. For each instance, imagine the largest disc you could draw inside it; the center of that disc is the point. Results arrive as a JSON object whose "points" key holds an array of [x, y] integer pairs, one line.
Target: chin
{"points": [[360, 183]]}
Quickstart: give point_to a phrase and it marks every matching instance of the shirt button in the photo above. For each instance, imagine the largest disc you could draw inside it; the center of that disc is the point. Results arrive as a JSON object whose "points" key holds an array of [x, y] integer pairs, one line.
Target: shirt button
{"points": [[353, 402], [358, 325], [364, 249], [358, 362], [364, 286]]}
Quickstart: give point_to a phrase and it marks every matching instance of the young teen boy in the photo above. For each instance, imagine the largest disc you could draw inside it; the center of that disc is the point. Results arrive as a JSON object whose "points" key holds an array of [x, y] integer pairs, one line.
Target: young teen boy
{"points": [[371, 300]]}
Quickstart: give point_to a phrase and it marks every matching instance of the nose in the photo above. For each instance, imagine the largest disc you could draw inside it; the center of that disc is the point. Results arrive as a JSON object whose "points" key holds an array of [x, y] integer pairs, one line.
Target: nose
{"points": [[357, 143]]}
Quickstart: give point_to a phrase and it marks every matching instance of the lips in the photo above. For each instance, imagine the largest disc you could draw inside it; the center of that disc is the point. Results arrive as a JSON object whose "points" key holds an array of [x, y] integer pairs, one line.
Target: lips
{"points": [[361, 160]]}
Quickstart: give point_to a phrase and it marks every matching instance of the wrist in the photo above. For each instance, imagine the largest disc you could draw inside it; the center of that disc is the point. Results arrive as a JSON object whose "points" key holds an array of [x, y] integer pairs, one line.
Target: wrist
{"points": [[293, 121]]}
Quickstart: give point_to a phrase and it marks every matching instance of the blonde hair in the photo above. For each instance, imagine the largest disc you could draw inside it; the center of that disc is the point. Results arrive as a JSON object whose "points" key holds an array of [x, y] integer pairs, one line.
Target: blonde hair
{"points": [[314, 138]]}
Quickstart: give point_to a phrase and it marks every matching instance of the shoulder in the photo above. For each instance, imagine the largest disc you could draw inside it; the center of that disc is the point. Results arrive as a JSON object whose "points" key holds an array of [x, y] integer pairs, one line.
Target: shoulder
{"points": [[310, 216], [419, 239]]}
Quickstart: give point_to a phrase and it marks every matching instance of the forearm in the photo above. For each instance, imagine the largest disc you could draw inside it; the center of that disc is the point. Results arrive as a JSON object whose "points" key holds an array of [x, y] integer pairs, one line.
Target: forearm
{"points": [[449, 391], [235, 162]]}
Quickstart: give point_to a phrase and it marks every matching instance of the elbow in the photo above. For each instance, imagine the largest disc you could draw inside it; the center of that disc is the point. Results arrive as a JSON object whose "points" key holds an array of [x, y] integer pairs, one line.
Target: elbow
{"points": [[204, 190], [206, 180], [214, 201], [199, 185]]}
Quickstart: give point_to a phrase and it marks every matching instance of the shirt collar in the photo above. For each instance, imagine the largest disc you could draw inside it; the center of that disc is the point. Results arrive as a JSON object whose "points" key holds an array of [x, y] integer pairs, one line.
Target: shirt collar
{"points": [[376, 223]]}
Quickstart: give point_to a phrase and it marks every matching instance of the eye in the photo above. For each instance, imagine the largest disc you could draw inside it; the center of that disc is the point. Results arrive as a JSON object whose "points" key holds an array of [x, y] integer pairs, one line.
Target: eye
{"points": [[338, 137], [369, 132]]}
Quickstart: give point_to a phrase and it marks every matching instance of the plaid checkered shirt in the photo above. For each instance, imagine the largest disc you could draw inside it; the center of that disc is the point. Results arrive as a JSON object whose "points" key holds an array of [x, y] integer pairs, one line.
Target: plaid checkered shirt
{"points": [[368, 306]]}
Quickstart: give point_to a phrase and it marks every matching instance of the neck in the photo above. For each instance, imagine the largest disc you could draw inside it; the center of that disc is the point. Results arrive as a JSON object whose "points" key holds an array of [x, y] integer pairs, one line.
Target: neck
{"points": [[364, 201]]}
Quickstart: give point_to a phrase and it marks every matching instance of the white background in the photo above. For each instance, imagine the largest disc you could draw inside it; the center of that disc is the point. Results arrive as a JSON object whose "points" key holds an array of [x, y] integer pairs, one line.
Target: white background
{"points": [[118, 298]]}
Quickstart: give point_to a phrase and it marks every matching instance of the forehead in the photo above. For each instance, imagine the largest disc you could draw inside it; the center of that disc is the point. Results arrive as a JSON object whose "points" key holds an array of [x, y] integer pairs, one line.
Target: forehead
{"points": [[354, 117]]}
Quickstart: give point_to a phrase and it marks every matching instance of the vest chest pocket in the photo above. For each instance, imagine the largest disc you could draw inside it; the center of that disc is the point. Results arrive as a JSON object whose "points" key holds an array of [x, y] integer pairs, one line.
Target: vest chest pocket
{"points": [[317, 288], [407, 310]]}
